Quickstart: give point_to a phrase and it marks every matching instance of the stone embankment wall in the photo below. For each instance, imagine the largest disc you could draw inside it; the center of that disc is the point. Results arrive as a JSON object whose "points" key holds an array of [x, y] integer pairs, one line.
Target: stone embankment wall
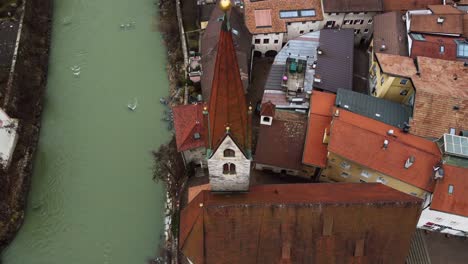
{"points": [[25, 98]]}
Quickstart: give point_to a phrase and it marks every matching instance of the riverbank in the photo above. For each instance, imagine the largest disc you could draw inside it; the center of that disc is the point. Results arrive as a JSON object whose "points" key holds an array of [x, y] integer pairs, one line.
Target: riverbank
{"points": [[24, 102]]}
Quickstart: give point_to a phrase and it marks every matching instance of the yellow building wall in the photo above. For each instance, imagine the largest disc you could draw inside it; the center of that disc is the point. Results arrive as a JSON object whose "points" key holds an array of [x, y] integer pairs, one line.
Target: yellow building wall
{"points": [[390, 87], [342, 170]]}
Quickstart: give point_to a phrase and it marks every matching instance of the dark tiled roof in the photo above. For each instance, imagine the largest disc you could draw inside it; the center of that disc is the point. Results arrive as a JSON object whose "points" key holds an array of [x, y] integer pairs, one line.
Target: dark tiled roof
{"points": [[300, 223], [379, 109], [335, 65], [227, 105], [282, 143], [209, 48], [390, 30], [352, 5], [8, 32]]}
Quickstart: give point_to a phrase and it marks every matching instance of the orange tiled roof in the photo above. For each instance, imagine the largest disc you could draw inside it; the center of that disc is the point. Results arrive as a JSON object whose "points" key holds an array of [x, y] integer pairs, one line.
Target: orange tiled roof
{"points": [[442, 77], [188, 120], [396, 64], [315, 151], [360, 139], [274, 7], [457, 202], [300, 223], [227, 106]]}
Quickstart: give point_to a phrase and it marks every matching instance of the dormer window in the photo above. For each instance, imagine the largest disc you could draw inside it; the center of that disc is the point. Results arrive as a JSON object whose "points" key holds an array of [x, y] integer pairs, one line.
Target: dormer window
{"points": [[229, 153]]}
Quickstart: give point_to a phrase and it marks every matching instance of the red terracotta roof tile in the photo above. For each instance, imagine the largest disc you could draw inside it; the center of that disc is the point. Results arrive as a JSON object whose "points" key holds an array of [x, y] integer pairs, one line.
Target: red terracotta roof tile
{"points": [[279, 24], [457, 202], [315, 151], [300, 223], [431, 47], [360, 139], [188, 121], [396, 64], [444, 10], [227, 106]]}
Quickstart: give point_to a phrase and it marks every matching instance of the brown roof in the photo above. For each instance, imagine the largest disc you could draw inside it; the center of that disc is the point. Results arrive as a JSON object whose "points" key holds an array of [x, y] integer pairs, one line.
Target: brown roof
{"points": [[252, 16], [404, 5], [209, 48], [227, 106], [444, 10], [282, 143], [352, 6], [457, 202], [321, 107], [300, 223], [465, 25], [335, 65], [396, 65], [452, 24], [442, 77], [431, 45], [390, 30], [360, 139], [188, 122], [268, 109]]}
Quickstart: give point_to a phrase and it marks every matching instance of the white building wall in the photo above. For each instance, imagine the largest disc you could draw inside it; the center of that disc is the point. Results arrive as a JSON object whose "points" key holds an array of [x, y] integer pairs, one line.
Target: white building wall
{"points": [[229, 182], [340, 18], [197, 156], [267, 42], [8, 138], [443, 222], [336, 17], [296, 29]]}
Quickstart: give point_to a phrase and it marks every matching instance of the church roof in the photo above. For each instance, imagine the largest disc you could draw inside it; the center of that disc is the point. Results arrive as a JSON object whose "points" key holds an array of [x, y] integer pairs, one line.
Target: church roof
{"points": [[227, 105]]}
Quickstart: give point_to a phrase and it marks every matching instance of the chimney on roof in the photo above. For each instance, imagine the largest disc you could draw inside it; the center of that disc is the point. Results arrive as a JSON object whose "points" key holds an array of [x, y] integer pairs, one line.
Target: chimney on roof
{"points": [[455, 76], [406, 127], [391, 132], [383, 47], [319, 51], [409, 162], [438, 172], [385, 144], [440, 20]]}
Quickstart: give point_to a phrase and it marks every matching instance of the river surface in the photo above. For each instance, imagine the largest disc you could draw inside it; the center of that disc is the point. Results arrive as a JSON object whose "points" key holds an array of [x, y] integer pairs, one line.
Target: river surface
{"points": [[92, 198]]}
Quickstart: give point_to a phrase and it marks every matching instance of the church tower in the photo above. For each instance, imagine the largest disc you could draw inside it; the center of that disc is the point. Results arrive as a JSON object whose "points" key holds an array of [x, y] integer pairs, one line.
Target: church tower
{"points": [[228, 118]]}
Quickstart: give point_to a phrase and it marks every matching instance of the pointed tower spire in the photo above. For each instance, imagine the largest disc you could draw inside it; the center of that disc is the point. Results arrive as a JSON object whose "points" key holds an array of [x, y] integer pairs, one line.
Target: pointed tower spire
{"points": [[227, 103]]}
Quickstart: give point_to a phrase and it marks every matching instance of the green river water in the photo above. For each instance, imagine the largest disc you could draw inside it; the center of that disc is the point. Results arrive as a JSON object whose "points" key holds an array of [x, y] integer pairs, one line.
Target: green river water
{"points": [[92, 198]]}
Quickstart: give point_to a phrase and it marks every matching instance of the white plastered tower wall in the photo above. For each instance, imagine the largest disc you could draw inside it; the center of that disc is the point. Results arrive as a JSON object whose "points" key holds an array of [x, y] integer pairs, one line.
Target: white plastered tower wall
{"points": [[221, 181], [8, 138]]}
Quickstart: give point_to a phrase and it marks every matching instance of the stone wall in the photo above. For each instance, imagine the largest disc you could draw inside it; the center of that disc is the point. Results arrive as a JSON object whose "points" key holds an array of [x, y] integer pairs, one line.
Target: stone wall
{"points": [[229, 182]]}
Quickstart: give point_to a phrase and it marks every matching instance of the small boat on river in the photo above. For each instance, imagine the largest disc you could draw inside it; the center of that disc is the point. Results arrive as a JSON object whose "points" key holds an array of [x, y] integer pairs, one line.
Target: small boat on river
{"points": [[133, 106]]}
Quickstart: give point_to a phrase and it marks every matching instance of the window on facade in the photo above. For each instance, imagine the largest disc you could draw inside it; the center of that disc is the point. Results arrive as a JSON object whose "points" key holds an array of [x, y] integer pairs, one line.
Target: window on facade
{"points": [[307, 13], [370, 21], [366, 31], [382, 80], [266, 41], [462, 48], [413, 193], [403, 81], [289, 14], [330, 24], [365, 174], [356, 31], [452, 131], [229, 153], [276, 41], [382, 180], [345, 165], [347, 22], [450, 189], [362, 181], [301, 32], [403, 92], [358, 22], [442, 49], [311, 30], [418, 37], [229, 168], [257, 41], [344, 175]]}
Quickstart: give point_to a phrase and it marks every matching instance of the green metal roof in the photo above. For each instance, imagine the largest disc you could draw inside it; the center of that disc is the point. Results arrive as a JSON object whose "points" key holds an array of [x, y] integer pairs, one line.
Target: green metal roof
{"points": [[376, 108]]}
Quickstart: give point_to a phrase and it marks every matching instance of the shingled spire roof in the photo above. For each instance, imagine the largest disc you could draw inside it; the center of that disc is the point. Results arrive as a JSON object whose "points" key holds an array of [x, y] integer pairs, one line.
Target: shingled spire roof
{"points": [[227, 105]]}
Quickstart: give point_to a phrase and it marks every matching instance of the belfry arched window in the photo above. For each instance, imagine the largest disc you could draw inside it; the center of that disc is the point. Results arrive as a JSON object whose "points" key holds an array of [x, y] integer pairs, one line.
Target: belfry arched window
{"points": [[229, 168], [229, 153]]}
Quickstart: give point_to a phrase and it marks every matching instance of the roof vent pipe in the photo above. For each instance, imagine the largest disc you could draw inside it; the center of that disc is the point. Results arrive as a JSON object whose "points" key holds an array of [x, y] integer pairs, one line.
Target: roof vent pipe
{"points": [[385, 144], [390, 132], [409, 162]]}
